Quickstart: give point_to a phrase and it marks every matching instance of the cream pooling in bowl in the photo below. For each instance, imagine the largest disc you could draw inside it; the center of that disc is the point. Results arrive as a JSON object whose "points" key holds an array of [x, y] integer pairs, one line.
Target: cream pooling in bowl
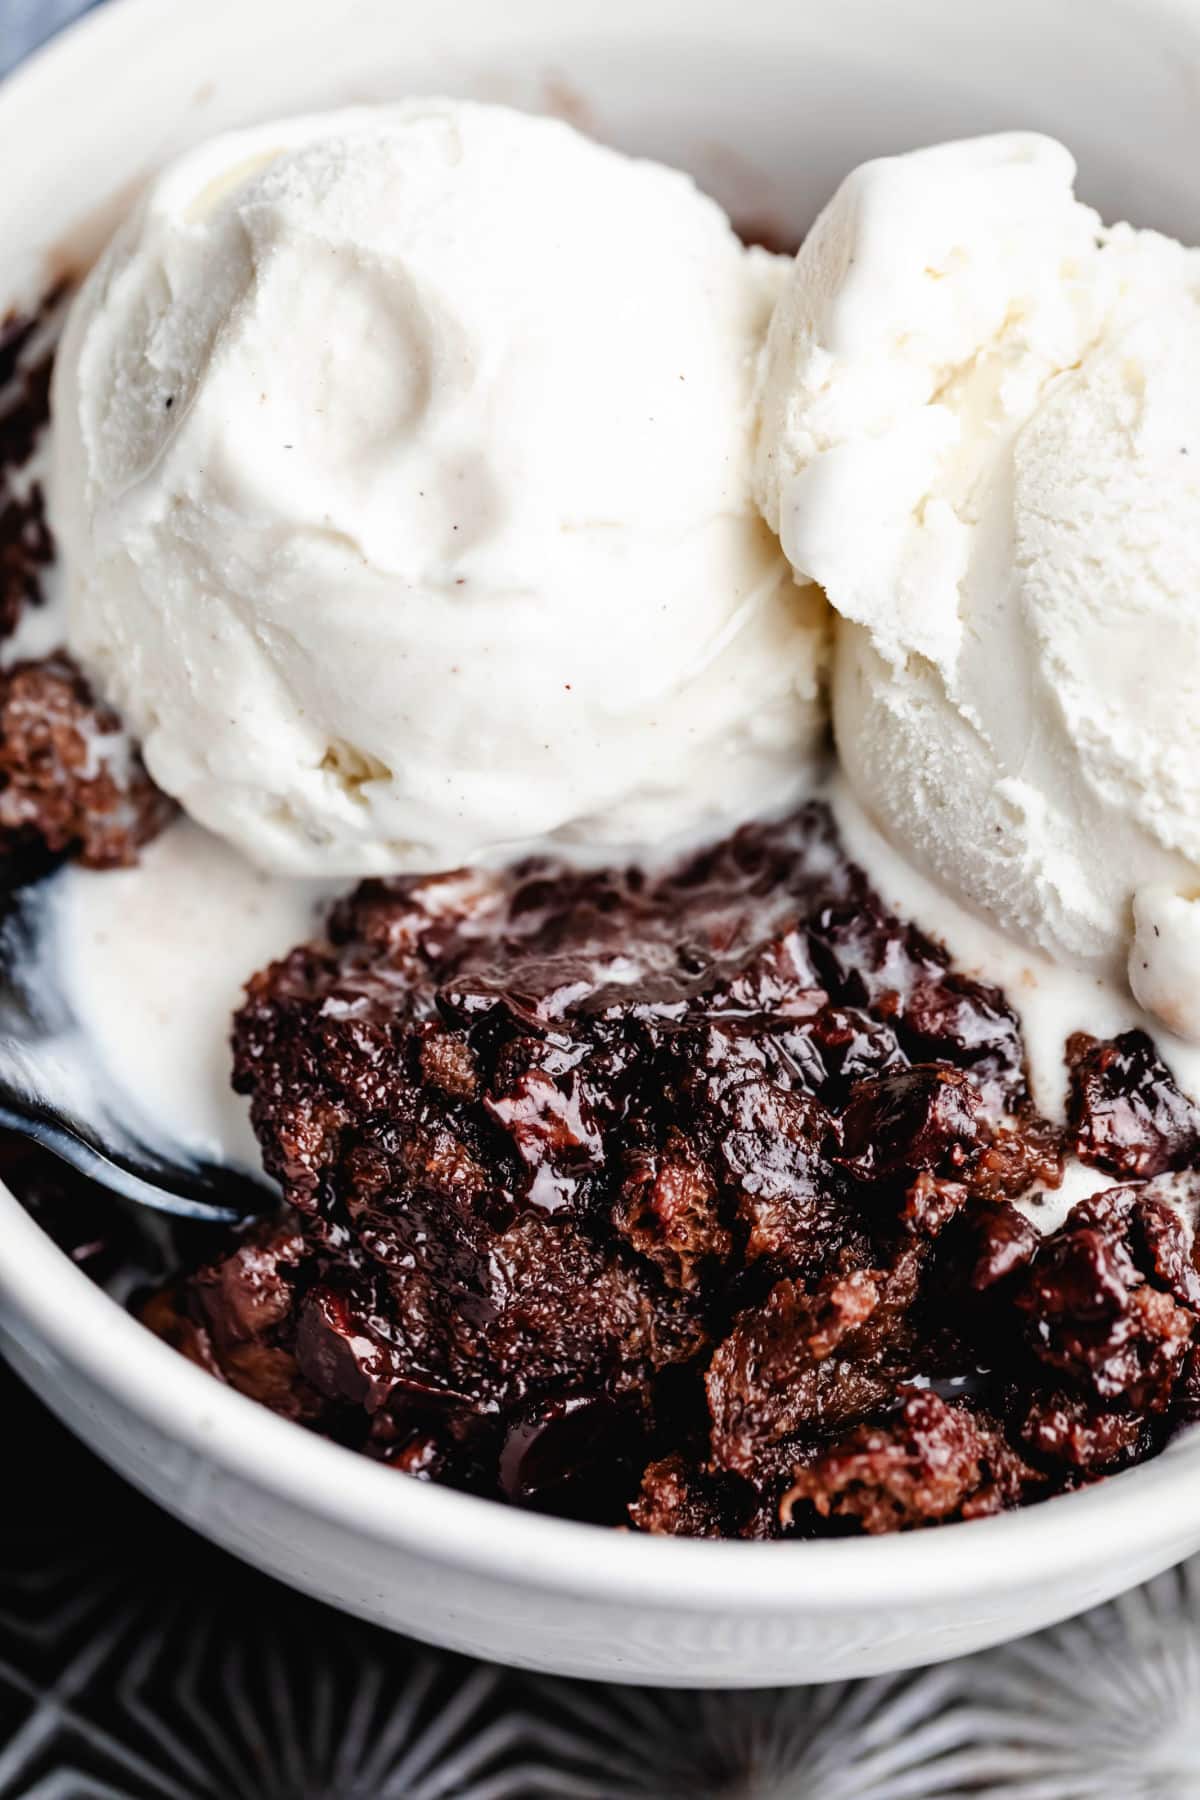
{"points": [[401, 468]]}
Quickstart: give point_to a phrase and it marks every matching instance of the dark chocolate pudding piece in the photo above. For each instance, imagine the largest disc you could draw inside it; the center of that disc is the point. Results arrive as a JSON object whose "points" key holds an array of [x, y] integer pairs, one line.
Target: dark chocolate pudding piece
{"points": [[71, 783]]}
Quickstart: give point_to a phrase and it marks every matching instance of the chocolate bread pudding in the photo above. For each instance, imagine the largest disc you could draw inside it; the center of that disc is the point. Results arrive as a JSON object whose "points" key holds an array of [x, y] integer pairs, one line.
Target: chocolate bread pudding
{"points": [[698, 1191], [690, 1202]]}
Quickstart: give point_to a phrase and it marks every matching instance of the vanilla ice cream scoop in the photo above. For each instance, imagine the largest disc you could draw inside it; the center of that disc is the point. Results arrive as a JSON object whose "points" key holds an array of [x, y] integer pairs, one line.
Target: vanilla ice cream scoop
{"points": [[981, 436], [402, 467]]}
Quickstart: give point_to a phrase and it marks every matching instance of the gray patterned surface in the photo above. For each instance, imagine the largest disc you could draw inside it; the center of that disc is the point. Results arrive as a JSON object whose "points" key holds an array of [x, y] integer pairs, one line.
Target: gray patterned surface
{"points": [[136, 1663]]}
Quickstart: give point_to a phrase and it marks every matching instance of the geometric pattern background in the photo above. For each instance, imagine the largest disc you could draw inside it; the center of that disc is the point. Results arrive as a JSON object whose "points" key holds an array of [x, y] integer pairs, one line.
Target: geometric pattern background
{"points": [[139, 1663]]}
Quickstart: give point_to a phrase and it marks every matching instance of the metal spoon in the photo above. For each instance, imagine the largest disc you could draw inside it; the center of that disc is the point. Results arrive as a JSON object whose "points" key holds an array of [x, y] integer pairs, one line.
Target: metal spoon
{"points": [[50, 1094]]}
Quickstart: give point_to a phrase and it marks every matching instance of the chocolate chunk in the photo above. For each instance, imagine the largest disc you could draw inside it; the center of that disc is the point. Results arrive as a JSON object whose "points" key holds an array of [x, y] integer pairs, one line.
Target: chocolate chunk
{"points": [[668, 1209], [70, 783], [678, 1500], [1064, 1428], [908, 1121], [804, 1362], [1094, 1310], [929, 1462], [26, 544], [1126, 1111]]}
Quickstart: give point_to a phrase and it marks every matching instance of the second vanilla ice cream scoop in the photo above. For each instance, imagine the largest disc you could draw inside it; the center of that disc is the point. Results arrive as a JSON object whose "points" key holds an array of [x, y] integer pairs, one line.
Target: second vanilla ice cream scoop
{"points": [[402, 469], [981, 436]]}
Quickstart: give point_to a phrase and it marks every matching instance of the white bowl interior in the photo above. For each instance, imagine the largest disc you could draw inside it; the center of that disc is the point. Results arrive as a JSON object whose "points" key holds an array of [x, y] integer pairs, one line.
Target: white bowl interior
{"points": [[768, 102]]}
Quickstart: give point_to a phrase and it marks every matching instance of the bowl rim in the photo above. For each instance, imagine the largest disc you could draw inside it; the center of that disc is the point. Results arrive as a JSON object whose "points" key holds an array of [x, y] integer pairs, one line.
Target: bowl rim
{"points": [[56, 1313]]}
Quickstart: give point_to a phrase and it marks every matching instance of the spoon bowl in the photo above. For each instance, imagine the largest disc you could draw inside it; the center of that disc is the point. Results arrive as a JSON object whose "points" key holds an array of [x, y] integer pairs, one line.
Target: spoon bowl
{"points": [[53, 1093]]}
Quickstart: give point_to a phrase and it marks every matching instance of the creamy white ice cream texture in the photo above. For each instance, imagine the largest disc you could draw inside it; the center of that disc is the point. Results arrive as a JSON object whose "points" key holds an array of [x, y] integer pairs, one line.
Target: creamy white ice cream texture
{"points": [[402, 470], [981, 435]]}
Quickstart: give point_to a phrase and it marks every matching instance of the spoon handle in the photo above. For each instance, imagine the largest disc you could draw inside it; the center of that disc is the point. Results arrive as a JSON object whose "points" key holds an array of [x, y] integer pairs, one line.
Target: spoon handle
{"points": [[215, 1196]]}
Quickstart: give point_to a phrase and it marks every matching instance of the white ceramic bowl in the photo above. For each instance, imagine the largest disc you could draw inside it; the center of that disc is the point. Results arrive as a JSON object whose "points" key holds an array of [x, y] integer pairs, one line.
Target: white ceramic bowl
{"points": [[769, 101]]}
